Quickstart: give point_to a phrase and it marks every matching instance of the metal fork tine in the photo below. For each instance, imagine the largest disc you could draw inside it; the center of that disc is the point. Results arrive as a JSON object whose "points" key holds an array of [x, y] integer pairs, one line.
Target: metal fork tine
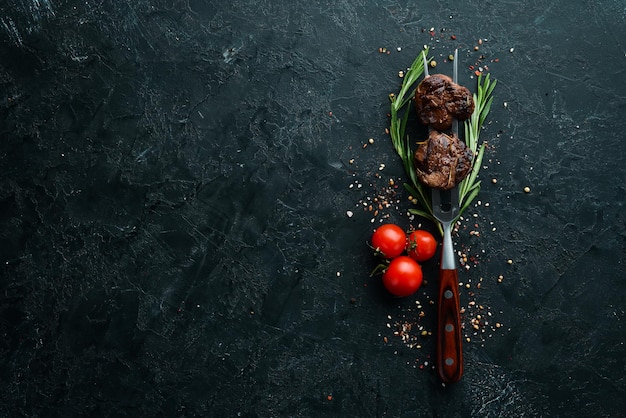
{"points": [[435, 199], [455, 78], [454, 202], [455, 68]]}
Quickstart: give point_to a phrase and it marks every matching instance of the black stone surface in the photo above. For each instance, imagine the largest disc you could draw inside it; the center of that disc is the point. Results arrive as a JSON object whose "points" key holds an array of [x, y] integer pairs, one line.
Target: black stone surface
{"points": [[175, 184]]}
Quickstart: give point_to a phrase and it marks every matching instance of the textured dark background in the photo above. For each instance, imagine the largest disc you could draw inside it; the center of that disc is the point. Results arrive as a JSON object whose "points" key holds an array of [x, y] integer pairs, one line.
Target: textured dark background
{"points": [[175, 184]]}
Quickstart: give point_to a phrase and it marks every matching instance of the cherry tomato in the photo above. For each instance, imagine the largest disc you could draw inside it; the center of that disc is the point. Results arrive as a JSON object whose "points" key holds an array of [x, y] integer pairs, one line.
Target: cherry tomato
{"points": [[422, 245], [389, 240], [403, 276]]}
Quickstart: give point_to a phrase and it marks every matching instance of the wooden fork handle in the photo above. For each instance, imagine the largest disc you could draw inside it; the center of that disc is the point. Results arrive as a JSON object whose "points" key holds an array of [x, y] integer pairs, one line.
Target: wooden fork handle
{"points": [[449, 350]]}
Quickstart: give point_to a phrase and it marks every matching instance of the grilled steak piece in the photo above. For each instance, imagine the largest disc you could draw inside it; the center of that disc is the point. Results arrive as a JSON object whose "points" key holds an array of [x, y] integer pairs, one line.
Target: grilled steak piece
{"points": [[438, 100], [442, 161]]}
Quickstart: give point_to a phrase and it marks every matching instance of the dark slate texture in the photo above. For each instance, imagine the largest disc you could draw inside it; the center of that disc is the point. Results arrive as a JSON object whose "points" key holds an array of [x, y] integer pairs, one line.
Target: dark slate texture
{"points": [[176, 177]]}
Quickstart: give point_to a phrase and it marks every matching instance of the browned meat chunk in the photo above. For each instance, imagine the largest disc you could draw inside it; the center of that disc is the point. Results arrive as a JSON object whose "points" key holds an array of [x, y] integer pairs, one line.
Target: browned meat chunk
{"points": [[442, 161], [438, 100]]}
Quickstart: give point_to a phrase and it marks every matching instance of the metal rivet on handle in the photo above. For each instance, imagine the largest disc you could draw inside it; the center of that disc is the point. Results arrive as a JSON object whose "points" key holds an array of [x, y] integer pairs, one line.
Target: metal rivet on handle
{"points": [[449, 361], [449, 327], [447, 294]]}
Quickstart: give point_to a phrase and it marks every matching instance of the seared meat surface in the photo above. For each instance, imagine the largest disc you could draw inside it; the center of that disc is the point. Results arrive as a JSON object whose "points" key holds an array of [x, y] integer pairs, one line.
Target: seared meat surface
{"points": [[438, 100], [442, 161]]}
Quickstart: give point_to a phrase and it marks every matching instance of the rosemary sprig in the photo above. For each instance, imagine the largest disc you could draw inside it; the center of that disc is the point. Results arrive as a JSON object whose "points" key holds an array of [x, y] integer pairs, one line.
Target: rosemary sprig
{"points": [[470, 186], [400, 110], [400, 107]]}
